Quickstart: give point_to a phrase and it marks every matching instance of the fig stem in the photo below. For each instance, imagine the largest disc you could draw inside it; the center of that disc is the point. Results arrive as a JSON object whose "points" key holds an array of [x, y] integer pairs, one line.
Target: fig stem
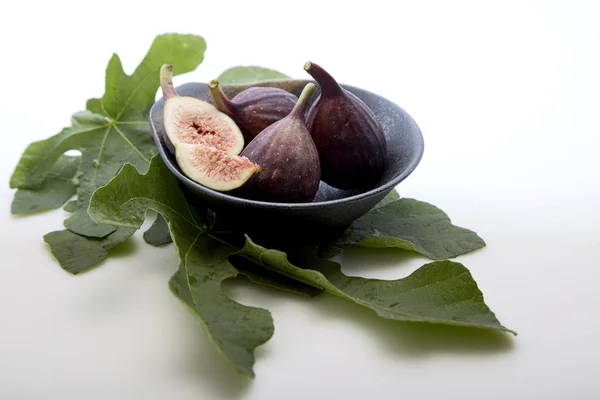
{"points": [[329, 86], [166, 81], [219, 97], [302, 103]]}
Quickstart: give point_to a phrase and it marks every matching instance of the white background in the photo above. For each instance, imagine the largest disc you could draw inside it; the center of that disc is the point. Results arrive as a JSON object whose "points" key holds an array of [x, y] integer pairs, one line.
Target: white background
{"points": [[507, 95]]}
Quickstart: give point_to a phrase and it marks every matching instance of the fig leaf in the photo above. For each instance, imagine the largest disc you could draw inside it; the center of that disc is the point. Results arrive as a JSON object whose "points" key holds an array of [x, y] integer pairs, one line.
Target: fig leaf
{"points": [[112, 131], [158, 234], [413, 225], [52, 193], [235, 329], [248, 74], [442, 292]]}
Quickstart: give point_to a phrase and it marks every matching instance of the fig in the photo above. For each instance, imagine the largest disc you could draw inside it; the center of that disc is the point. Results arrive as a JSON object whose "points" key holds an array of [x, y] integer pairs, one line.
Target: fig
{"points": [[254, 108], [289, 161], [214, 168], [191, 120], [351, 143], [205, 141]]}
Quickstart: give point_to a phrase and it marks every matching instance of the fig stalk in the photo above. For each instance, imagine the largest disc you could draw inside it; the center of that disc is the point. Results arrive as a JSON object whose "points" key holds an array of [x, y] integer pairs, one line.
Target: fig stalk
{"points": [[329, 86], [253, 109], [302, 103], [221, 100], [166, 81]]}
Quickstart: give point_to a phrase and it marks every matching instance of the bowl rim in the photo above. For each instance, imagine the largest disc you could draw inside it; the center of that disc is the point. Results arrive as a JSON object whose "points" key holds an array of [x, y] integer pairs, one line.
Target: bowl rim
{"points": [[223, 196]]}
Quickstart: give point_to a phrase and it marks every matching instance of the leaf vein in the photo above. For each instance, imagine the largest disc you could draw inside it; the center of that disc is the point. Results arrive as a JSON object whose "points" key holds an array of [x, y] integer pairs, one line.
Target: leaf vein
{"points": [[102, 144], [133, 92], [126, 139], [131, 122], [183, 217]]}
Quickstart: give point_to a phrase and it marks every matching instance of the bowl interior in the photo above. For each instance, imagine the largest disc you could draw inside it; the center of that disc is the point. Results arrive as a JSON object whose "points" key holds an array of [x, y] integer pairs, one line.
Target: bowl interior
{"points": [[404, 140]]}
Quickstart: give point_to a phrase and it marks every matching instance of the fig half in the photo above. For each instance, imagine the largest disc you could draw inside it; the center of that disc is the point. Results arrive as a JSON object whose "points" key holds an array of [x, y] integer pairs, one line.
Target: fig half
{"points": [[352, 145], [191, 120], [289, 161], [213, 168], [254, 108], [205, 141]]}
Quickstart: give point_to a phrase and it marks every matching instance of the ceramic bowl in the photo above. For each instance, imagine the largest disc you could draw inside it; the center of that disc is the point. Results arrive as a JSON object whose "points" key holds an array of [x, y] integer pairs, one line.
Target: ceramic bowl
{"points": [[332, 210]]}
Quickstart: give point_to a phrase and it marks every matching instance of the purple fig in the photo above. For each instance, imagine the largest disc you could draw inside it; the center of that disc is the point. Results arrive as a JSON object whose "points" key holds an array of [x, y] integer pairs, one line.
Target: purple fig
{"points": [[288, 158], [254, 108], [351, 143]]}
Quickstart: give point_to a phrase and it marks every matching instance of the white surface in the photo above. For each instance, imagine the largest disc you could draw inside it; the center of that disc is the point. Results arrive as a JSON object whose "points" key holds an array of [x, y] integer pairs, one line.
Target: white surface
{"points": [[507, 97]]}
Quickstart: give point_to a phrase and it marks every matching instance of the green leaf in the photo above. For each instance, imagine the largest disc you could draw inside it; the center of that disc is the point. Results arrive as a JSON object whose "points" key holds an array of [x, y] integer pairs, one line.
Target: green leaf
{"points": [[270, 278], [128, 98], [180, 287], [158, 234], [76, 253], [235, 329], [114, 130], [326, 251], [71, 206], [39, 157], [411, 225], [390, 198], [249, 74], [441, 292], [52, 193]]}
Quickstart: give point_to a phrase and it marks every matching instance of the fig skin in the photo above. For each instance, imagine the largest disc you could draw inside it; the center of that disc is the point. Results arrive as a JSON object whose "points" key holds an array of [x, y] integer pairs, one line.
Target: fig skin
{"points": [[255, 108], [288, 158], [351, 143]]}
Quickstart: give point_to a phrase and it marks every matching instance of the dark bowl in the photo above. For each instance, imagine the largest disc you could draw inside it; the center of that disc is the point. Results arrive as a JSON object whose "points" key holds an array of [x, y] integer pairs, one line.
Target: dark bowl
{"points": [[332, 210]]}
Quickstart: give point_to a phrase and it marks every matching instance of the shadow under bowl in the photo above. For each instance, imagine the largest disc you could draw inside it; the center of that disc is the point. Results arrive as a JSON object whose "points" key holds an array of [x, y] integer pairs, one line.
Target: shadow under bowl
{"points": [[332, 210]]}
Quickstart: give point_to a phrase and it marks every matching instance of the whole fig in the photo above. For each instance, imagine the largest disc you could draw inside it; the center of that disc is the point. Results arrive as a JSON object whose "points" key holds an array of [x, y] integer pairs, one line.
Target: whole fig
{"points": [[288, 158], [351, 143], [254, 108], [205, 141]]}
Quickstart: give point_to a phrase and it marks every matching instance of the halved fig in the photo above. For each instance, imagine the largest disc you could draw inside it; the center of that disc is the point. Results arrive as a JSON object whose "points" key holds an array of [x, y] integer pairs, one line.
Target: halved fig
{"points": [[205, 141], [214, 168], [193, 121]]}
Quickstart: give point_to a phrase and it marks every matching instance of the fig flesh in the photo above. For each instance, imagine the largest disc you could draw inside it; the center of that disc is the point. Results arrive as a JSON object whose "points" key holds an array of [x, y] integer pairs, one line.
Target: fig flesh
{"points": [[288, 158], [351, 143], [191, 120], [255, 108], [213, 168], [205, 141]]}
